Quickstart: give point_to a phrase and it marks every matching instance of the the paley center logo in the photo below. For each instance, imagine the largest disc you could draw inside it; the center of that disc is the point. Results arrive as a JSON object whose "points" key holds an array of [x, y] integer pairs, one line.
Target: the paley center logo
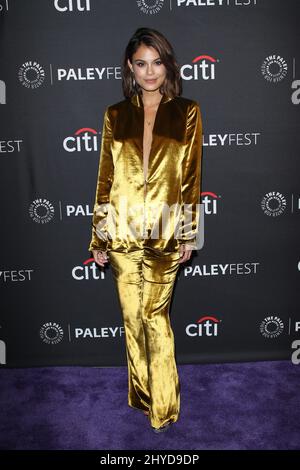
{"points": [[273, 204], [150, 7], [274, 68], [271, 327], [41, 211], [31, 74], [205, 326], [51, 333]]}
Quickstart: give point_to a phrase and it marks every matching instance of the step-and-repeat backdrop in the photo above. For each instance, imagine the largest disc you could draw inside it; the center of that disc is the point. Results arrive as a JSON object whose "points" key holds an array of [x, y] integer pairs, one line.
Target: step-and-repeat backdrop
{"points": [[60, 67]]}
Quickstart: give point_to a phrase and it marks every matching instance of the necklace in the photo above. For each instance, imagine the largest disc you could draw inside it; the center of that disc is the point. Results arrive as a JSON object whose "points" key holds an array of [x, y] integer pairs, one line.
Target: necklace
{"points": [[149, 122]]}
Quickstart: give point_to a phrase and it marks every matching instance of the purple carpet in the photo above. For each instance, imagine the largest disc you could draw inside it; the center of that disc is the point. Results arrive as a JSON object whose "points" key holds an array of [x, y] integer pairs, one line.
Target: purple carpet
{"points": [[223, 406]]}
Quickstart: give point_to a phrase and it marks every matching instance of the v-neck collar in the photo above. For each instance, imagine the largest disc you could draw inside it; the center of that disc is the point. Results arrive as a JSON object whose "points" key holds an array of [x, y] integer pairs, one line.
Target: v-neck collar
{"points": [[137, 100]]}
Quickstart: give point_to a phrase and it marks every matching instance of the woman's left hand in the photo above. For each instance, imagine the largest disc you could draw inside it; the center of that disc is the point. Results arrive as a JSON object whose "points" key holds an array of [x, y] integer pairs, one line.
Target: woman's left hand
{"points": [[185, 253]]}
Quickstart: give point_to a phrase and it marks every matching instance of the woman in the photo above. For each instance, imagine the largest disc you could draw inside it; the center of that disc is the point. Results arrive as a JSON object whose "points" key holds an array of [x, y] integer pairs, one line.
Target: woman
{"points": [[146, 212]]}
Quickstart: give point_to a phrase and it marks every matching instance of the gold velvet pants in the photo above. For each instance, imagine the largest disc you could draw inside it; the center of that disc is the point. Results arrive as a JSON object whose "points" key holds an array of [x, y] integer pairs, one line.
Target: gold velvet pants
{"points": [[145, 281]]}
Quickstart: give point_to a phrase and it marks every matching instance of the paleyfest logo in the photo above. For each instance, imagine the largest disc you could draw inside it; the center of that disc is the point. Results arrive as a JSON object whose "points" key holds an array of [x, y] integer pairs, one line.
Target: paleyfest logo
{"points": [[151, 7]]}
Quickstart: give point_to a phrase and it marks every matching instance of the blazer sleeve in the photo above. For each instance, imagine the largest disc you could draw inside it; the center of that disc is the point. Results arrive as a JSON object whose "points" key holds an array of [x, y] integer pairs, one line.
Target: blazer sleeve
{"points": [[191, 178], [104, 183]]}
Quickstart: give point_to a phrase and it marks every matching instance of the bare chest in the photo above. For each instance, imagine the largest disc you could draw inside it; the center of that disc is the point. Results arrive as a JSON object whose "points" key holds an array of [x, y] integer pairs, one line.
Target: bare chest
{"points": [[148, 135]]}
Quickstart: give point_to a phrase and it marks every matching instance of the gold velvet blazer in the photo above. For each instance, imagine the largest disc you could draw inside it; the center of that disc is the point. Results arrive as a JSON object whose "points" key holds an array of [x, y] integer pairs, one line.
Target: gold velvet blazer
{"points": [[131, 212]]}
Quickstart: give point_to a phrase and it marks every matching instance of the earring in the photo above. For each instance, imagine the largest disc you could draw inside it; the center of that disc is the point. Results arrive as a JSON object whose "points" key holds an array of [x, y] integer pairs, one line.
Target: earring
{"points": [[133, 80]]}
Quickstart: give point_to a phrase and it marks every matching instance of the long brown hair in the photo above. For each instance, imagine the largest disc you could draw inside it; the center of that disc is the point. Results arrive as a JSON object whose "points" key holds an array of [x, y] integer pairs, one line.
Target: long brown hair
{"points": [[172, 86]]}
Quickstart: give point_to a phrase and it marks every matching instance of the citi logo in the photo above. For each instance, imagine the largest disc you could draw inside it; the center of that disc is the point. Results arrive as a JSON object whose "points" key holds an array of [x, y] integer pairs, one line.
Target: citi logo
{"points": [[209, 201], [202, 67], [71, 5], [89, 270], [205, 326], [84, 139]]}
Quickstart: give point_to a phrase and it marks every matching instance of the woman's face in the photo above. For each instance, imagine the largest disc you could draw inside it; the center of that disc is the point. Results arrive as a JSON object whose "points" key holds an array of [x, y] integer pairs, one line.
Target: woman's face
{"points": [[149, 72]]}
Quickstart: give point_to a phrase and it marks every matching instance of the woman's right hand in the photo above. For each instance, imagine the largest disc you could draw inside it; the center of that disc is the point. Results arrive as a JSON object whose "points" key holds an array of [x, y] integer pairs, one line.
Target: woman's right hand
{"points": [[100, 257]]}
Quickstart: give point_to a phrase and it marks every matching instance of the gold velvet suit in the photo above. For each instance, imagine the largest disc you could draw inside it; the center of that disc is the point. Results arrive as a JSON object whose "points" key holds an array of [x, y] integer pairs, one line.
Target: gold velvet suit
{"points": [[145, 261]]}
